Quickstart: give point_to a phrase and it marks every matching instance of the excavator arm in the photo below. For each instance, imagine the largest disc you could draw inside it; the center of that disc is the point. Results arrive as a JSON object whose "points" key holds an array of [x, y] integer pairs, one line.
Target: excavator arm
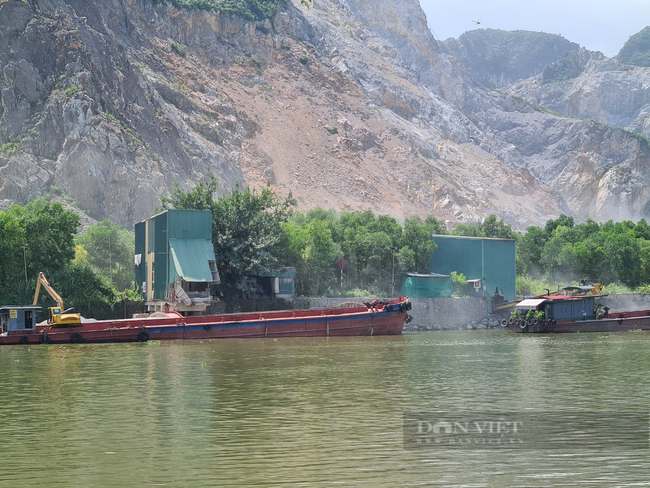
{"points": [[58, 315], [42, 280]]}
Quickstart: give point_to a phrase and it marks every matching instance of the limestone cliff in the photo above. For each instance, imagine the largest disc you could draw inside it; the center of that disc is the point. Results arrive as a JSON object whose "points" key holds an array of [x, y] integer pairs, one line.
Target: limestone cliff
{"points": [[351, 104], [499, 58]]}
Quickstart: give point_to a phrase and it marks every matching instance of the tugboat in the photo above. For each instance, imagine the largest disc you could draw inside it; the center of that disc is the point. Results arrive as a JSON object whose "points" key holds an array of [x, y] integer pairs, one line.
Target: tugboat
{"points": [[574, 311]]}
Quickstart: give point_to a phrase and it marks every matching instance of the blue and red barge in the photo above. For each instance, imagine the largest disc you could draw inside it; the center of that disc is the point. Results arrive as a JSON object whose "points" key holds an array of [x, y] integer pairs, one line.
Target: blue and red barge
{"points": [[379, 317]]}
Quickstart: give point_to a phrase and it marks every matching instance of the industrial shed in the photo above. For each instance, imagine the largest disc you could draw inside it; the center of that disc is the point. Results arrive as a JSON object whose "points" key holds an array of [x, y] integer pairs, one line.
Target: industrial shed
{"points": [[175, 262], [487, 262]]}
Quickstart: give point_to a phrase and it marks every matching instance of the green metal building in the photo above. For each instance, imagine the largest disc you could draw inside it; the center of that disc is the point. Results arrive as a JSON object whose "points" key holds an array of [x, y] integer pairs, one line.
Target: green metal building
{"points": [[175, 262], [488, 263]]}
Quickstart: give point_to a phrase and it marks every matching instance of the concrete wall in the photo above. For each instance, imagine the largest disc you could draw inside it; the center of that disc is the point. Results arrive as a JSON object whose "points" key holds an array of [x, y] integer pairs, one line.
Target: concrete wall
{"points": [[447, 313]]}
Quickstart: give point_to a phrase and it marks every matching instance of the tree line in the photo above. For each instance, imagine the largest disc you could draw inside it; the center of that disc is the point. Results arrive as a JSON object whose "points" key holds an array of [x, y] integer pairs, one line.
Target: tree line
{"points": [[256, 233], [89, 271], [340, 252]]}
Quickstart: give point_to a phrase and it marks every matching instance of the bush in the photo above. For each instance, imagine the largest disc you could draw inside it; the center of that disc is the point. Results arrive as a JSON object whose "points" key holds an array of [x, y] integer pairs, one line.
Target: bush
{"points": [[527, 286], [10, 148], [178, 49], [254, 10]]}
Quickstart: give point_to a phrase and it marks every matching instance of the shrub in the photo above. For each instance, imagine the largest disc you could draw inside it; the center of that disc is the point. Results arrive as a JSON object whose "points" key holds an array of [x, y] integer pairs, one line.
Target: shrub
{"points": [[178, 49], [10, 148]]}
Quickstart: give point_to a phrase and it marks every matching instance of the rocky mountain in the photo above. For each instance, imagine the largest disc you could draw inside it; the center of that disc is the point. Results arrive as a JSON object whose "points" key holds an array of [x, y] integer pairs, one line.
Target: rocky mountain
{"points": [[636, 51], [588, 85], [350, 104], [499, 58]]}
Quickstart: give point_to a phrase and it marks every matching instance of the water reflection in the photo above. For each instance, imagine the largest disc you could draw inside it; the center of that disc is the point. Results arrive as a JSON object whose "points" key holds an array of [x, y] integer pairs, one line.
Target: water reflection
{"points": [[308, 412]]}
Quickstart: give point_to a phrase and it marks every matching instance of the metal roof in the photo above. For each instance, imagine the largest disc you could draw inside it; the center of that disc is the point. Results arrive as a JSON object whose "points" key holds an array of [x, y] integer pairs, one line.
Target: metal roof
{"points": [[530, 303], [190, 257], [448, 236], [20, 307], [428, 275]]}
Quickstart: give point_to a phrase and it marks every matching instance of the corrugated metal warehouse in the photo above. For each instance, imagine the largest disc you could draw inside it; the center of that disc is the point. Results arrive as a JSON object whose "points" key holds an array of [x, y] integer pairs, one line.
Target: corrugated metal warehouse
{"points": [[492, 261], [175, 261]]}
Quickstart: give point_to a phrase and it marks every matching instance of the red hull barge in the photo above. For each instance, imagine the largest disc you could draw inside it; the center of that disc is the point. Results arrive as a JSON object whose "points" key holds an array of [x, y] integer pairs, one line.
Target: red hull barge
{"points": [[375, 318]]}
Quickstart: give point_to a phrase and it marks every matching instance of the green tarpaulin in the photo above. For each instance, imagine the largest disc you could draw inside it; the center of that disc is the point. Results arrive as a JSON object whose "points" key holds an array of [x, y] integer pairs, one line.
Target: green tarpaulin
{"points": [[431, 285]]}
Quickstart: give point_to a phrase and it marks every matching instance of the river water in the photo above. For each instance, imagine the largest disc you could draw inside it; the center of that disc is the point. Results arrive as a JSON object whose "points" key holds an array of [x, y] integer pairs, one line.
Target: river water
{"points": [[315, 412]]}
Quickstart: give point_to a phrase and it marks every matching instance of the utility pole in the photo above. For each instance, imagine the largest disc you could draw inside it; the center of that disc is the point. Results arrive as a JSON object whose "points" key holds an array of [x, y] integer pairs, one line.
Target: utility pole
{"points": [[392, 286], [25, 260]]}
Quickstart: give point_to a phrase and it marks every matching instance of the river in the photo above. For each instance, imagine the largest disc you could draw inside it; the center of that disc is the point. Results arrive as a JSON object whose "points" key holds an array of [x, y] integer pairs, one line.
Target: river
{"points": [[315, 412]]}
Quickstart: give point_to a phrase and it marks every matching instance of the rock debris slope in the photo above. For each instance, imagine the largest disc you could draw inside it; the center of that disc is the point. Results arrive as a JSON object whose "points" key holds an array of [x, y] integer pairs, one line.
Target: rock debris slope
{"points": [[351, 105]]}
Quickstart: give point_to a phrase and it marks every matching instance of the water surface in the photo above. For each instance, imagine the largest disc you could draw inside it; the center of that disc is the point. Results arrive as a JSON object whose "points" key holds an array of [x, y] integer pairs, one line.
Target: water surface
{"points": [[309, 412]]}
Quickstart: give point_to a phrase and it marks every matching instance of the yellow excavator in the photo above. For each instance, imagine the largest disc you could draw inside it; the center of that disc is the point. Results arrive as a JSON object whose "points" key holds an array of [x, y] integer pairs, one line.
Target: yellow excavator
{"points": [[58, 316]]}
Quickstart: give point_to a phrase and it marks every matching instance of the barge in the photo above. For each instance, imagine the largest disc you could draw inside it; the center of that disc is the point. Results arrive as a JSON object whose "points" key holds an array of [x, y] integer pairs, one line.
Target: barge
{"points": [[379, 317], [556, 313]]}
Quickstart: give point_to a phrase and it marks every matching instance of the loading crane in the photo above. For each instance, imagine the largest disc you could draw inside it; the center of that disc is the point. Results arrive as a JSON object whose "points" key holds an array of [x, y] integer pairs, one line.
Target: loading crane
{"points": [[58, 316]]}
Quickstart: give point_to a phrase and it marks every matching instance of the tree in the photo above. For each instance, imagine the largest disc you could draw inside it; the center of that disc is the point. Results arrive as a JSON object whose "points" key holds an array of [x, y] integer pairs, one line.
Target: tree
{"points": [[368, 242], [562, 220], [644, 258], [320, 255], [469, 230], [492, 227], [416, 246], [247, 231], [622, 254], [109, 250], [458, 284], [435, 226], [12, 240], [201, 197], [49, 235], [90, 293], [549, 258], [295, 240], [48, 232], [529, 251]]}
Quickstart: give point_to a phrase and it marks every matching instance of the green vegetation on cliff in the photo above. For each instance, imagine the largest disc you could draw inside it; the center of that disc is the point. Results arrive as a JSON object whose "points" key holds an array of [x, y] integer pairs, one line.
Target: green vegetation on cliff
{"points": [[636, 50], [249, 9], [566, 68]]}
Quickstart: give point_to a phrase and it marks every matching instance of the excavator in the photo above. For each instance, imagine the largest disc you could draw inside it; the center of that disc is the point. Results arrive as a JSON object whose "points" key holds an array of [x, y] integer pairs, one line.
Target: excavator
{"points": [[58, 316]]}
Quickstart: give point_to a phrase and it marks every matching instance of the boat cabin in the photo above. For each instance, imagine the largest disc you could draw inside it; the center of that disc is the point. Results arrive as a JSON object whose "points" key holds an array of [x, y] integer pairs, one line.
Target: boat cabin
{"points": [[560, 307], [17, 317]]}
